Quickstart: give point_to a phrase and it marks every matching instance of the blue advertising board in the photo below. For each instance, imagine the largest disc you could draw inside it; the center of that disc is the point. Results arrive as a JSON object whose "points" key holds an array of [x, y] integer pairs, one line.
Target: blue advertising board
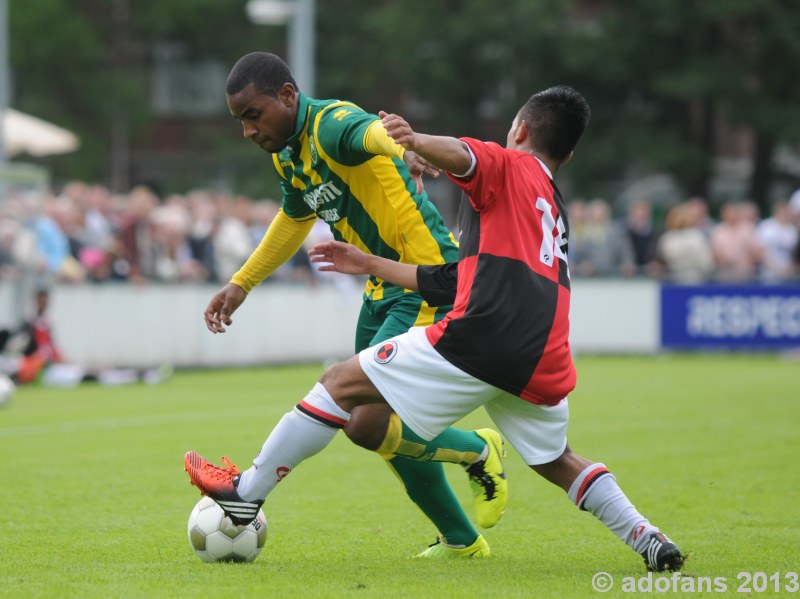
{"points": [[730, 316]]}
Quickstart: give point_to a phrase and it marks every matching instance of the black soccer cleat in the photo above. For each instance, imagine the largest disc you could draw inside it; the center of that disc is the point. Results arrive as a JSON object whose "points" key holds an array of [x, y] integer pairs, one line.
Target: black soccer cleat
{"points": [[662, 554]]}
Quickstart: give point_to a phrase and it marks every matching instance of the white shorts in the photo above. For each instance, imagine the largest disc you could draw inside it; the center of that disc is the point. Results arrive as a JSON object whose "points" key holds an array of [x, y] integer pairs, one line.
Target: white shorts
{"points": [[430, 394]]}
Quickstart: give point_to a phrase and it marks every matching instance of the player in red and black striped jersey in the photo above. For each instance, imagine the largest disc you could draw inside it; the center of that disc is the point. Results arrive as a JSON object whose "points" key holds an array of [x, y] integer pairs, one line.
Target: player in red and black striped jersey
{"points": [[512, 303]]}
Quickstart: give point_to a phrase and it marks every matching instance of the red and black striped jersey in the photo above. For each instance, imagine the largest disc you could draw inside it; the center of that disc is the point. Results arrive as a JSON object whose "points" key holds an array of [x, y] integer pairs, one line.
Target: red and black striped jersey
{"points": [[509, 325]]}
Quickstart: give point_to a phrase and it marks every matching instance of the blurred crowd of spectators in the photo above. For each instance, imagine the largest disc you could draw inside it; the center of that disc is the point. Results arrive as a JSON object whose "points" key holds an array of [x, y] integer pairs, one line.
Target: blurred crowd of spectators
{"points": [[86, 233], [687, 245]]}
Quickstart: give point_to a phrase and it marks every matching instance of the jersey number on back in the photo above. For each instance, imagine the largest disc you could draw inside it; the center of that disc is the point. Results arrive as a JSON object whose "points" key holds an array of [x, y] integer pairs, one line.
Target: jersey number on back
{"points": [[550, 249]]}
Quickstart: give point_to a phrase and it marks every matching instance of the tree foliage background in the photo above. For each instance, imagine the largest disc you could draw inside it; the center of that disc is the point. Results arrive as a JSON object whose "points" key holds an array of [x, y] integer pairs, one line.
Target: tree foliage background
{"points": [[671, 82]]}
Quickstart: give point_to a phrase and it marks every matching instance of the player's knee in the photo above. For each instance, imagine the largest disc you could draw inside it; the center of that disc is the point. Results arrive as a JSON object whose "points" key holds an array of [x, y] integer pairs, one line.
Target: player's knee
{"points": [[367, 426], [336, 380], [563, 470], [331, 376], [551, 470], [349, 386], [362, 437]]}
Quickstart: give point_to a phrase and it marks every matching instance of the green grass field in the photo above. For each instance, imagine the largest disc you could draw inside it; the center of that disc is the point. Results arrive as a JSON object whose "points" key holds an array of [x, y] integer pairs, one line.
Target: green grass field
{"points": [[94, 500]]}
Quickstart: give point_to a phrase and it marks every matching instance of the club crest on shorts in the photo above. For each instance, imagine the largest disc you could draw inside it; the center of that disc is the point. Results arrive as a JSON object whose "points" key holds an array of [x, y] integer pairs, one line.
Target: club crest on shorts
{"points": [[386, 352]]}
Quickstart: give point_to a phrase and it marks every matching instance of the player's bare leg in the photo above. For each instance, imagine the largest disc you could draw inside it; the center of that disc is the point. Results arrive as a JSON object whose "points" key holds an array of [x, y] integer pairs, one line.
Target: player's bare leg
{"points": [[591, 487]]}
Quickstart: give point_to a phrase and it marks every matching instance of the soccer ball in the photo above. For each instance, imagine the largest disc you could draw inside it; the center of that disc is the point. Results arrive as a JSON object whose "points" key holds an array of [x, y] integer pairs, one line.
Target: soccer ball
{"points": [[7, 389], [215, 538]]}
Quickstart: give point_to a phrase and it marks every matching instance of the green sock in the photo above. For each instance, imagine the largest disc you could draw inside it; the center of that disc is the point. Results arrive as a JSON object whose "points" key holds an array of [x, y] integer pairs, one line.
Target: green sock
{"points": [[453, 445], [427, 486]]}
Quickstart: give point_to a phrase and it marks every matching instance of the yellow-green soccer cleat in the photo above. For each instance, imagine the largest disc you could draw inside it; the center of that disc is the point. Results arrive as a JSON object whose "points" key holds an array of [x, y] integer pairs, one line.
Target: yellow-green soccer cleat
{"points": [[440, 550], [487, 478]]}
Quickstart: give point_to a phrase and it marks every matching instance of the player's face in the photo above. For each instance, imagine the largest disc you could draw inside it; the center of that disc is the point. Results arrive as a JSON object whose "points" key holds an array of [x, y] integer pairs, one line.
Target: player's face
{"points": [[266, 121]]}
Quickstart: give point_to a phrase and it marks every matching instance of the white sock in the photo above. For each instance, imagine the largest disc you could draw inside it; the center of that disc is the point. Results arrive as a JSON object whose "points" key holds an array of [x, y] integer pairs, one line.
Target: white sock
{"points": [[596, 491], [300, 434]]}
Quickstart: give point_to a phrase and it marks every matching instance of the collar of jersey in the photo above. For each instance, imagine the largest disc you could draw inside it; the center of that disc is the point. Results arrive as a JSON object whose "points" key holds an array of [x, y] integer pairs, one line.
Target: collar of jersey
{"points": [[544, 166], [303, 107]]}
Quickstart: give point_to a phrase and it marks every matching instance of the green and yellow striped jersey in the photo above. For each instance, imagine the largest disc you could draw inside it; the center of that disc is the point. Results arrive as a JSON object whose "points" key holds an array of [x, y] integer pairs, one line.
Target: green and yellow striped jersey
{"points": [[367, 200]]}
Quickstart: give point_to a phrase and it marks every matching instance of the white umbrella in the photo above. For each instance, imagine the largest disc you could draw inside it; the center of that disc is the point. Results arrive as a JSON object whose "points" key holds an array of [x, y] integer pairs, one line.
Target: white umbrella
{"points": [[27, 134]]}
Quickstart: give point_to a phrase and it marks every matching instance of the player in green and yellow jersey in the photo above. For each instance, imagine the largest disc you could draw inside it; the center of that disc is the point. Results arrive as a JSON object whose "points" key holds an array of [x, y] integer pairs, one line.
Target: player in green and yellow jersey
{"points": [[337, 163]]}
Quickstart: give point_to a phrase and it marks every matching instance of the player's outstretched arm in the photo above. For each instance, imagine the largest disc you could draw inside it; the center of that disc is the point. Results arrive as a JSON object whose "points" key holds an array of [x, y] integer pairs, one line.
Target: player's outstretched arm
{"points": [[376, 141], [222, 305], [346, 258], [442, 152]]}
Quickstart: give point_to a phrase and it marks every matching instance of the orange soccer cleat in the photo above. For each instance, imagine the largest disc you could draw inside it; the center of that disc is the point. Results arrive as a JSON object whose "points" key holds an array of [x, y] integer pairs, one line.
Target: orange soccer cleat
{"points": [[220, 485]]}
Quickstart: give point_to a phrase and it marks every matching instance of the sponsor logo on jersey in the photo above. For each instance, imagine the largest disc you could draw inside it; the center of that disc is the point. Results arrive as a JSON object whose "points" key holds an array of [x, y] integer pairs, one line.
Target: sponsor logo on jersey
{"points": [[326, 192], [386, 352], [329, 216]]}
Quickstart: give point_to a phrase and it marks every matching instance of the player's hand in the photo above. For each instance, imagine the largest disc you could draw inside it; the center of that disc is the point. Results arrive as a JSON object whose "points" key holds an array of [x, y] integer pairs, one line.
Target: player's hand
{"points": [[222, 305], [398, 129], [337, 256], [418, 166]]}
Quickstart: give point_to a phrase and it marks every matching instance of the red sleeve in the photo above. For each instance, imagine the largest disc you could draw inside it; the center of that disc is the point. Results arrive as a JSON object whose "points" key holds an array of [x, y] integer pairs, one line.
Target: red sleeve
{"points": [[489, 167]]}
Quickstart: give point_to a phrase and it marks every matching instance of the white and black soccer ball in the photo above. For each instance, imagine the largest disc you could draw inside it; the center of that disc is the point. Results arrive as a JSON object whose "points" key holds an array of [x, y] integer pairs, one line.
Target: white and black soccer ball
{"points": [[215, 538], [7, 389]]}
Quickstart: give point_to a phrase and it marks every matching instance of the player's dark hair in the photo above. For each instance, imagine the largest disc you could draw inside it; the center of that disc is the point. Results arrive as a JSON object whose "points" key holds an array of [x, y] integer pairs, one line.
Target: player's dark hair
{"points": [[556, 118], [267, 72]]}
